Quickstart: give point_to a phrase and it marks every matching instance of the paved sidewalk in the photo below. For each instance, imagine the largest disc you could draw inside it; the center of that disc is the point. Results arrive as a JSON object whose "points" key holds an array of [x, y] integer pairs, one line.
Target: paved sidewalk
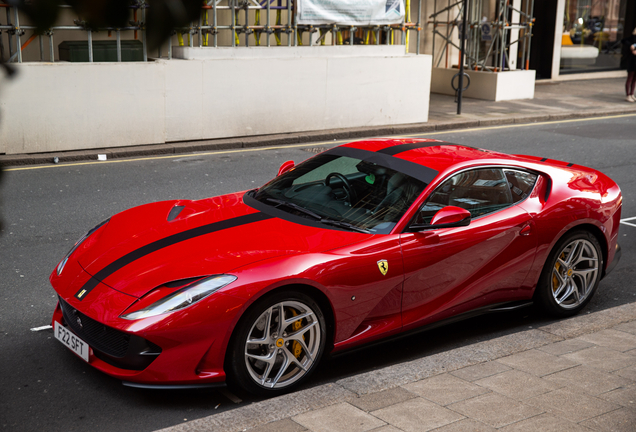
{"points": [[577, 374], [552, 101]]}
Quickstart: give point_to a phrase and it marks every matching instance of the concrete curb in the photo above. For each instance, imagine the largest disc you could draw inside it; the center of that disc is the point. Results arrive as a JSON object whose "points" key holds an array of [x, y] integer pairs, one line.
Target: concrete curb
{"points": [[346, 389], [294, 138]]}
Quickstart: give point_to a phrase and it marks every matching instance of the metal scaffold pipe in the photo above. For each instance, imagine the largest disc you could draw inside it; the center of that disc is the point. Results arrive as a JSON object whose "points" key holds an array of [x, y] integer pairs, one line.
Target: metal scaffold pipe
{"points": [[51, 47], [460, 88], [118, 46], [493, 44], [90, 46], [18, 45]]}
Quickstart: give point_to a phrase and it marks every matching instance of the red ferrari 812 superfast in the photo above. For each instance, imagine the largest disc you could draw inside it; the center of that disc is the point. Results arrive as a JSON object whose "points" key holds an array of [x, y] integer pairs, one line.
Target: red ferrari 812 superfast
{"points": [[359, 243]]}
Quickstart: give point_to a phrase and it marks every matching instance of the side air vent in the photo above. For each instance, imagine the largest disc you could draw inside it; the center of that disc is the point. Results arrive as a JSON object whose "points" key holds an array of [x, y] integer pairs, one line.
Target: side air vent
{"points": [[174, 212]]}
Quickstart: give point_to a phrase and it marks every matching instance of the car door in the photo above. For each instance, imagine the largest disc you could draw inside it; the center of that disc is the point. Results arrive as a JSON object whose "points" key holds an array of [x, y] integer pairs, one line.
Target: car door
{"points": [[449, 271]]}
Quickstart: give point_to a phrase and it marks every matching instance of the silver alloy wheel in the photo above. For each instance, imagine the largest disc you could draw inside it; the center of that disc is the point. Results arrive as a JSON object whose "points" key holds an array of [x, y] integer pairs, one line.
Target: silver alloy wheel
{"points": [[282, 344], [574, 273]]}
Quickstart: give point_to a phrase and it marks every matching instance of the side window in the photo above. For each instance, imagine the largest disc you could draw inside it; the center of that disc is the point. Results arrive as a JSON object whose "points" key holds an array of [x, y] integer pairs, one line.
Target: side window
{"points": [[520, 183], [479, 191]]}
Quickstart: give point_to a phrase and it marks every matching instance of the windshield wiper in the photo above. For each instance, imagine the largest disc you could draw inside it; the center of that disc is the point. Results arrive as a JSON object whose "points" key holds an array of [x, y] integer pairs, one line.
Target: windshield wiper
{"points": [[343, 224], [319, 218], [294, 206]]}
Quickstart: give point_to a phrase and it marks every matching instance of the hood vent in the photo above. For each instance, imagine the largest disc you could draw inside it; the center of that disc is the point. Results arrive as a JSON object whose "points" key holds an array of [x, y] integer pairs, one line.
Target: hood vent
{"points": [[174, 212]]}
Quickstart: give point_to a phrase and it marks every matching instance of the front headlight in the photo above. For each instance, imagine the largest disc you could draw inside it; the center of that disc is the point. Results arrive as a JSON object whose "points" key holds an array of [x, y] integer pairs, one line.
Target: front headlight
{"points": [[183, 298], [77, 244]]}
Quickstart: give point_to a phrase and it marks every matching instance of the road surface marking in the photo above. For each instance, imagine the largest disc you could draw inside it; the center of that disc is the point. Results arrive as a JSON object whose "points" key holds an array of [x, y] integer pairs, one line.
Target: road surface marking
{"points": [[36, 329], [624, 221]]}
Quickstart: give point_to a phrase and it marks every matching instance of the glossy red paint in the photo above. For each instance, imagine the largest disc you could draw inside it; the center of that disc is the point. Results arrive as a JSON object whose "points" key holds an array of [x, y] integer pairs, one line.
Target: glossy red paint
{"points": [[432, 275]]}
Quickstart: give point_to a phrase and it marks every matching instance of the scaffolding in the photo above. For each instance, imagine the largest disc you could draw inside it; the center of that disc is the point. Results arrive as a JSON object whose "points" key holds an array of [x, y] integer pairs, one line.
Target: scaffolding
{"points": [[15, 31], [496, 45], [247, 22]]}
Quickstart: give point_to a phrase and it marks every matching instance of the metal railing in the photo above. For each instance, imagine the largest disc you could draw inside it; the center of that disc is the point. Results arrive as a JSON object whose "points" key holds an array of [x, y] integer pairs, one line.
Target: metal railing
{"points": [[254, 26]]}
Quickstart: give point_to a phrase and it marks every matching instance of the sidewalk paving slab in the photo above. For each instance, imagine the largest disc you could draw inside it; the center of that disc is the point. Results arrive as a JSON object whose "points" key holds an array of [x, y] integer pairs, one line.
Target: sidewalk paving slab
{"points": [[544, 423], [496, 410], [622, 420], [628, 372], [466, 425], [342, 416], [602, 358], [517, 385], [445, 389], [480, 371], [565, 347], [537, 362], [572, 405], [588, 380], [383, 399], [417, 415], [614, 339]]}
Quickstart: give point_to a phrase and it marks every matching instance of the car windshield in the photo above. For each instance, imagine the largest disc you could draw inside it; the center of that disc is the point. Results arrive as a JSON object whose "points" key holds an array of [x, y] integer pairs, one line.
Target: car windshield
{"points": [[344, 191]]}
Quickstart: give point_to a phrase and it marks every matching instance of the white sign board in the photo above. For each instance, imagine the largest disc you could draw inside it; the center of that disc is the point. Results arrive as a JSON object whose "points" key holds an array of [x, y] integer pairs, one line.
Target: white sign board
{"points": [[350, 12]]}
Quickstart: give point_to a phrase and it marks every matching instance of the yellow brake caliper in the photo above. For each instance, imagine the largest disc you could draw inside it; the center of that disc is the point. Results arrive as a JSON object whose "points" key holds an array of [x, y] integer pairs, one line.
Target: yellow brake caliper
{"points": [[555, 280], [297, 349]]}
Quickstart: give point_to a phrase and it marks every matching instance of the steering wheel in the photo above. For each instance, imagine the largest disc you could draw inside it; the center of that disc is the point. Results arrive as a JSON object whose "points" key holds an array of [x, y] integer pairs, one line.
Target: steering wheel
{"points": [[349, 191]]}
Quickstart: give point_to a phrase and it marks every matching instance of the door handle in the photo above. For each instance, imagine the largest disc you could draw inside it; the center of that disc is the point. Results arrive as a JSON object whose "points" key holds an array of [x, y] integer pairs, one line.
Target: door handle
{"points": [[526, 230], [427, 237]]}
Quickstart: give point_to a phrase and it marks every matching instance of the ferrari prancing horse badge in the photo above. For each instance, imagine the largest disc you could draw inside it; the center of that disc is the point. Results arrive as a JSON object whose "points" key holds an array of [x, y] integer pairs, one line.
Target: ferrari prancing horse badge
{"points": [[383, 265]]}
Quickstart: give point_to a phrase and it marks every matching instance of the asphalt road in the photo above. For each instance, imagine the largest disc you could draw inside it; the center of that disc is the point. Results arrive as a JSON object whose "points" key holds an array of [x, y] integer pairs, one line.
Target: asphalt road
{"points": [[43, 386]]}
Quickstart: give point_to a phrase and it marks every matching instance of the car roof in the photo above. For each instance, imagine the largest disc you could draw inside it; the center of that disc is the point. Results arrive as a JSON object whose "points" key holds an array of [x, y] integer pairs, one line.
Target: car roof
{"points": [[435, 154]]}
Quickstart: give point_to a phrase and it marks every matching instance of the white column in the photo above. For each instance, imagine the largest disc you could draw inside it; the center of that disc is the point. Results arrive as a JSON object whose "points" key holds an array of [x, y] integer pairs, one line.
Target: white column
{"points": [[514, 35], [558, 33]]}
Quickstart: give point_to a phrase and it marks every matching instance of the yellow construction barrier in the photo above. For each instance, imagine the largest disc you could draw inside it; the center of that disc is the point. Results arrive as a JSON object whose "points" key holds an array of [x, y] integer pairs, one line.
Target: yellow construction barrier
{"points": [[277, 34]]}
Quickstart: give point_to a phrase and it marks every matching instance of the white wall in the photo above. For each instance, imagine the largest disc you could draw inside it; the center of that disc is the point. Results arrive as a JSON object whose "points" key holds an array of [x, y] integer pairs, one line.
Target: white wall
{"points": [[72, 106], [494, 86], [66, 106]]}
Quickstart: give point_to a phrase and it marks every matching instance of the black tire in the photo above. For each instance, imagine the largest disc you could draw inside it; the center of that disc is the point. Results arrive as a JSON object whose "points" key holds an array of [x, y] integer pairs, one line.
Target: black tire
{"points": [[282, 357], [571, 274]]}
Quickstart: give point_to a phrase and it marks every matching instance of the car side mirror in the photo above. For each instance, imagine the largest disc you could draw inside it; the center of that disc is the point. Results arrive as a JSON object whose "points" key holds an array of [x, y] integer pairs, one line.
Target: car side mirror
{"points": [[286, 166], [452, 216], [447, 217]]}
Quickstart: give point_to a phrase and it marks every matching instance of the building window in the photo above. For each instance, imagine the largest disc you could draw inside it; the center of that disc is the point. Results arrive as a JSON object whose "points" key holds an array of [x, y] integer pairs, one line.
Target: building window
{"points": [[592, 33]]}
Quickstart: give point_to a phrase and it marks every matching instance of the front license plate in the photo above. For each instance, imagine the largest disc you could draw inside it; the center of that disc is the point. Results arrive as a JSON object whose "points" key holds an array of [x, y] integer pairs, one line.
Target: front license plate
{"points": [[69, 339]]}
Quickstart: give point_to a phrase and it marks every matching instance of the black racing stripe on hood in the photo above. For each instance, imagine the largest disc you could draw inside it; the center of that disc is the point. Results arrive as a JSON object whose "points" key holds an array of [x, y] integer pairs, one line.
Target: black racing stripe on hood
{"points": [[165, 242]]}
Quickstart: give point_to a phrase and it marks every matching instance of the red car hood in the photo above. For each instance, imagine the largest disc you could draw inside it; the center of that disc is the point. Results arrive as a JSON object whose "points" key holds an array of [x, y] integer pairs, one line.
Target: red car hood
{"points": [[140, 249]]}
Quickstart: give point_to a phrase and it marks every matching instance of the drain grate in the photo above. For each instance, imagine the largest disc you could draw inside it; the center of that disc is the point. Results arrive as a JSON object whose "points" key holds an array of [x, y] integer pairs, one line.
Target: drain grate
{"points": [[315, 150]]}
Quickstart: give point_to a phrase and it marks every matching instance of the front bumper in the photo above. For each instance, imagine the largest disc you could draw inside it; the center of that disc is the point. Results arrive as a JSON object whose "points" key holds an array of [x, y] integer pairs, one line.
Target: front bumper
{"points": [[180, 349]]}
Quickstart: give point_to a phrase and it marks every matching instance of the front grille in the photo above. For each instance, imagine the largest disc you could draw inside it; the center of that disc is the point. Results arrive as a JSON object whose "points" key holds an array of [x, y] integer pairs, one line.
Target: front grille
{"points": [[114, 347], [99, 336]]}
